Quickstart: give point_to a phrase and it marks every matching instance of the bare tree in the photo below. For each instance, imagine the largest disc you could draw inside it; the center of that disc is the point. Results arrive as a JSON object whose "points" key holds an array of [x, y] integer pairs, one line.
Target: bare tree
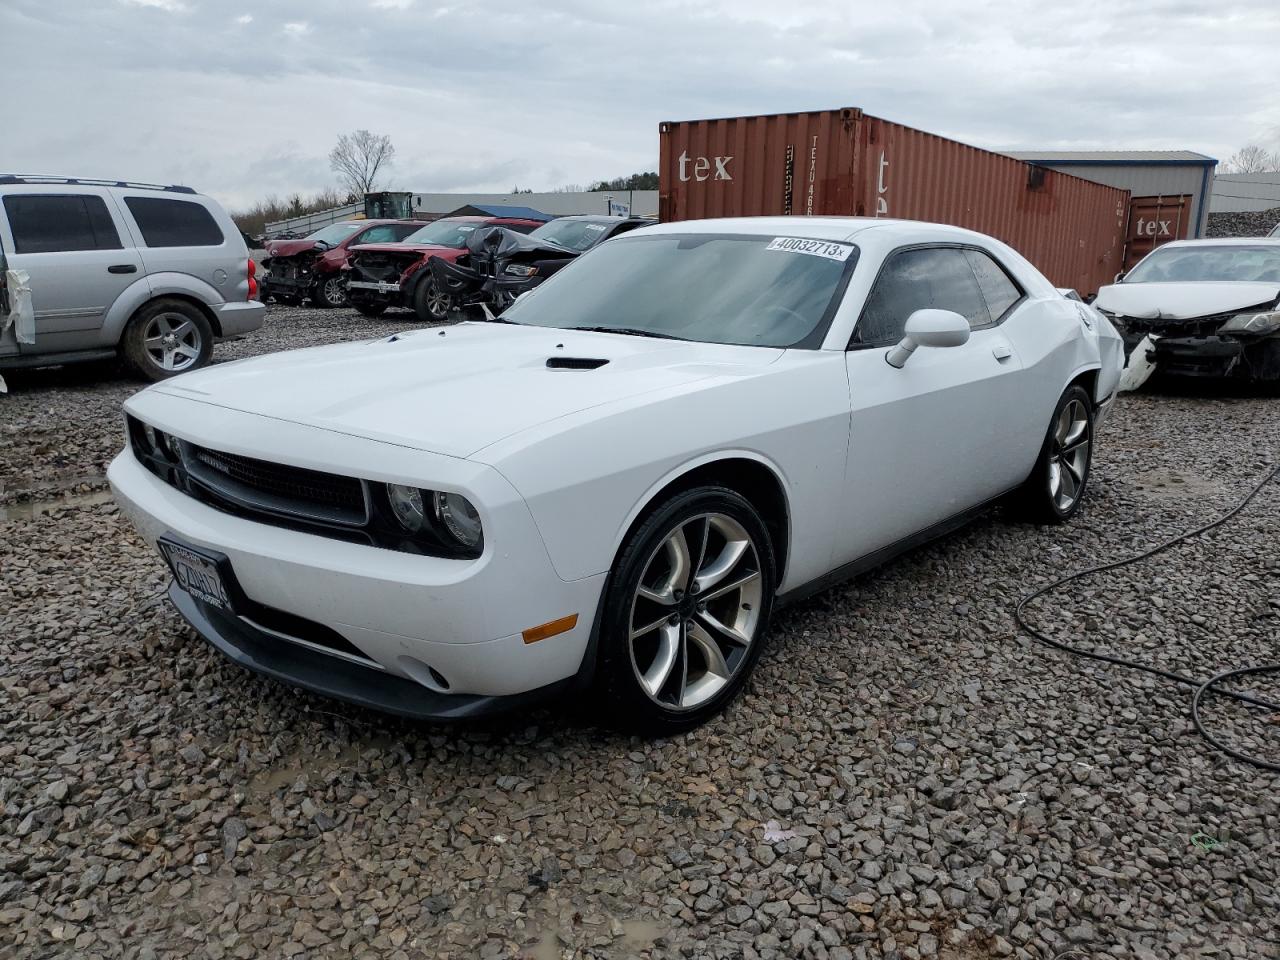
{"points": [[1252, 159], [359, 157]]}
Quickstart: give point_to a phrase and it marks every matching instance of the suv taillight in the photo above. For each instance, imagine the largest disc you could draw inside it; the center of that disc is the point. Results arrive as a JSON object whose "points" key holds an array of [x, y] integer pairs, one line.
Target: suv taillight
{"points": [[251, 271]]}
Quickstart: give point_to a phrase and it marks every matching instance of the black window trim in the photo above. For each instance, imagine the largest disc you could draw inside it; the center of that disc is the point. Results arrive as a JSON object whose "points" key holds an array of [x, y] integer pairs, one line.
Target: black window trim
{"points": [[855, 344]]}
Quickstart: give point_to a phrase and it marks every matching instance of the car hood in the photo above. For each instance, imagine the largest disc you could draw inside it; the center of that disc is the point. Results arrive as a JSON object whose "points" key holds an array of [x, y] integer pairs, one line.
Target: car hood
{"points": [[426, 249], [1183, 301], [459, 389], [288, 248]]}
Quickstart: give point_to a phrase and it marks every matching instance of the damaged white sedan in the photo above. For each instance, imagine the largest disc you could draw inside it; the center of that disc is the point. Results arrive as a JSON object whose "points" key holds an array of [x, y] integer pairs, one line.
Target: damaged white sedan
{"points": [[611, 487], [1200, 308]]}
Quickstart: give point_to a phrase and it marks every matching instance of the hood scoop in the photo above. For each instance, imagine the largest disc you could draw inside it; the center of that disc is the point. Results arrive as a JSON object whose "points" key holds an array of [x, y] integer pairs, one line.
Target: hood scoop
{"points": [[575, 363]]}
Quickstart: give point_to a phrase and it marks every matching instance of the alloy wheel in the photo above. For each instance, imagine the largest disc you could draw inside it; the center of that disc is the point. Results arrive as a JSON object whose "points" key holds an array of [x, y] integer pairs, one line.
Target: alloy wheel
{"points": [[1069, 455], [437, 302], [696, 611], [334, 292], [172, 342]]}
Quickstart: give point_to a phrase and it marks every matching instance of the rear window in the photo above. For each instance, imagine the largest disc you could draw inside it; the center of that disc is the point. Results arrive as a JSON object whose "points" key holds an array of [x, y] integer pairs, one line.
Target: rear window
{"points": [[55, 223], [173, 223]]}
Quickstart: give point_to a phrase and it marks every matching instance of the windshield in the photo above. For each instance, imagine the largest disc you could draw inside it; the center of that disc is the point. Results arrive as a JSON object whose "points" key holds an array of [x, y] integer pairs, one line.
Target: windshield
{"points": [[714, 288], [444, 233], [572, 234], [1205, 263], [335, 233]]}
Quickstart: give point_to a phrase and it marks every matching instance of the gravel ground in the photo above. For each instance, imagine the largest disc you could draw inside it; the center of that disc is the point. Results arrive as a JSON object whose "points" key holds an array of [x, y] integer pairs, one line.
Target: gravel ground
{"points": [[905, 777]]}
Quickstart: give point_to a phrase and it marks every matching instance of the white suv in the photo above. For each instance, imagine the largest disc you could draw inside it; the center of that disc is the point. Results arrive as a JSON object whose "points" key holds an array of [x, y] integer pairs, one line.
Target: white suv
{"points": [[93, 268]]}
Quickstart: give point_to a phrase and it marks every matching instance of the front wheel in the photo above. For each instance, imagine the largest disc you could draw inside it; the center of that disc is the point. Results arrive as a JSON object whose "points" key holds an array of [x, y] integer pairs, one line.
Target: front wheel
{"points": [[1053, 492], [330, 291], [686, 613], [430, 303]]}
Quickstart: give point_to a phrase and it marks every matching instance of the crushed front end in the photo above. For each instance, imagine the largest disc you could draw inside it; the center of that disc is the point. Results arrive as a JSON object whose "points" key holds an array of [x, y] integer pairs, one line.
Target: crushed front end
{"points": [[1242, 345]]}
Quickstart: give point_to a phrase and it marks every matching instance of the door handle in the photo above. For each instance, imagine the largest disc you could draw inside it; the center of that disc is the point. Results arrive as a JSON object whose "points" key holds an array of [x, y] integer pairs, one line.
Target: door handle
{"points": [[1001, 351], [123, 268]]}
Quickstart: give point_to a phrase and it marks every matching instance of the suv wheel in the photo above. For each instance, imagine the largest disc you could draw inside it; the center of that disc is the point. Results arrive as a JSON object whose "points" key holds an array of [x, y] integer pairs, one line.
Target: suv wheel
{"points": [[166, 338], [330, 291], [430, 303]]}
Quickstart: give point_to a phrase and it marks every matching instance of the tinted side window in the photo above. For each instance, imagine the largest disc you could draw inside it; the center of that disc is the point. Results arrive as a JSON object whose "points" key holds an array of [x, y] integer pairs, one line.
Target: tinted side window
{"points": [[50, 223], [386, 233], [1000, 291], [173, 223], [937, 277]]}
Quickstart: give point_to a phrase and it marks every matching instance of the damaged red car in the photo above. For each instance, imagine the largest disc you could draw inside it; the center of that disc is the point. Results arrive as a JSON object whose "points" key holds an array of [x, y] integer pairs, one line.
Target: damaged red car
{"points": [[386, 275], [311, 268]]}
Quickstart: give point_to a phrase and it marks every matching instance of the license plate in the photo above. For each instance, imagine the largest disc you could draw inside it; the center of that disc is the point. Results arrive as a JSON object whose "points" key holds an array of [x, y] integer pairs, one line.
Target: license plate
{"points": [[196, 573]]}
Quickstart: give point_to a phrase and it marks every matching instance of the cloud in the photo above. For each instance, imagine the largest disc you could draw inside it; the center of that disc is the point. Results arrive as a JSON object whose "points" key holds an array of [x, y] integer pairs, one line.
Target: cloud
{"points": [[505, 92], [244, 19], [169, 6]]}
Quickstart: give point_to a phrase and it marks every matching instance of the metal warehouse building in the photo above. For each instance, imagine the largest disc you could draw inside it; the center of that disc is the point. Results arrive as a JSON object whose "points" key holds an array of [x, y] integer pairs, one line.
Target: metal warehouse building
{"points": [[1170, 189], [1245, 192]]}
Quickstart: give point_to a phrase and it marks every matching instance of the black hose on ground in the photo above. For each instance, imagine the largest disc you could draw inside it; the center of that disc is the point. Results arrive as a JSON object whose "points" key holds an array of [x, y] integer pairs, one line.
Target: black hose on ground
{"points": [[1201, 687]]}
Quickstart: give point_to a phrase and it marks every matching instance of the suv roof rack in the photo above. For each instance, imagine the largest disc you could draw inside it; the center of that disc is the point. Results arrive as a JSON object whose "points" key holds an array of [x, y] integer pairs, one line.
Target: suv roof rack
{"points": [[37, 178]]}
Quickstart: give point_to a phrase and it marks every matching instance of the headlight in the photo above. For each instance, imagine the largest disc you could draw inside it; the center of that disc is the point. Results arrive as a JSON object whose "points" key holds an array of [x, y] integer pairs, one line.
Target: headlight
{"points": [[406, 504], [520, 270], [1258, 323], [459, 518]]}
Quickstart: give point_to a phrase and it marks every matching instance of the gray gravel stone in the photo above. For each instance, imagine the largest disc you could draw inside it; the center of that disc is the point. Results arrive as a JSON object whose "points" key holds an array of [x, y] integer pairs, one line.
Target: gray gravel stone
{"points": [[956, 791]]}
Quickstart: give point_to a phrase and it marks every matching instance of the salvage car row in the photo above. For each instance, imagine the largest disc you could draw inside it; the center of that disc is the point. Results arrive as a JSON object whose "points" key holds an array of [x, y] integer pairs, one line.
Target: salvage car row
{"points": [[431, 268]]}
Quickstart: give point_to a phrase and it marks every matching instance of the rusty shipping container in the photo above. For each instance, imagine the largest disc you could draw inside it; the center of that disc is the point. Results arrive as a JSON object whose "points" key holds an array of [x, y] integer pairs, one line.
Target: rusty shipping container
{"points": [[847, 163], [1154, 221]]}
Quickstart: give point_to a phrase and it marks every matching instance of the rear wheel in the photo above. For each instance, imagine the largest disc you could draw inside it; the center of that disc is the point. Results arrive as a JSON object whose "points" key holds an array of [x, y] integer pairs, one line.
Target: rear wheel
{"points": [[1053, 492], [330, 291], [369, 308], [430, 303], [686, 613], [166, 338]]}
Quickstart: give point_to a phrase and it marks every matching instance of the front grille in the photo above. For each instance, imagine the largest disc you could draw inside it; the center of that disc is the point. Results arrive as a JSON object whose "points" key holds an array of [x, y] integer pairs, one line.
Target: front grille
{"points": [[1193, 327], [277, 488], [284, 269]]}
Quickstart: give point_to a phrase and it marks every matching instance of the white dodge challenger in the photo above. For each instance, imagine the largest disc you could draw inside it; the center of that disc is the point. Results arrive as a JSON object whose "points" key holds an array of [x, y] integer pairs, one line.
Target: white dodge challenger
{"points": [[609, 488]]}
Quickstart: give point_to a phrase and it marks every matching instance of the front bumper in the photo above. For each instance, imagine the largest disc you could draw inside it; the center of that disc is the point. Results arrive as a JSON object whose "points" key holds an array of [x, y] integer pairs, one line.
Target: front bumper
{"points": [[1217, 357], [263, 652], [374, 286], [407, 614], [240, 316]]}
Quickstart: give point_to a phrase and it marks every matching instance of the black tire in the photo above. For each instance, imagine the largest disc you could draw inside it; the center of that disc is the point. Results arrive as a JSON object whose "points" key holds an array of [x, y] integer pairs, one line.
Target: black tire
{"points": [[1041, 498], [368, 308], [429, 304], [330, 291], [167, 337], [624, 650]]}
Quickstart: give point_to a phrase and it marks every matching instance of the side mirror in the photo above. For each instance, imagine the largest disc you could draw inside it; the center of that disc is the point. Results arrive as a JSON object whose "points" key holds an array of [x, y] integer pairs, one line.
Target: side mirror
{"points": [[929, 328]]}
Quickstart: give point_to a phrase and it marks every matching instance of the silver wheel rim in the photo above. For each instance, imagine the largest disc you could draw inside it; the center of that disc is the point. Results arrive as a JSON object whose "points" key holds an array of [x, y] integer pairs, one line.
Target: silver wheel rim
{"points": [[696, 612], [334, 291], [437, 301], [172, 341], [1069, 455]]}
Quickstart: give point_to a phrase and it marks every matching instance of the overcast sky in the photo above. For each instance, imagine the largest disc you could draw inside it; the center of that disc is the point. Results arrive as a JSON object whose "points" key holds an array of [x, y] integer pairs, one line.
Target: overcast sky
{"points": [[245, 99]]}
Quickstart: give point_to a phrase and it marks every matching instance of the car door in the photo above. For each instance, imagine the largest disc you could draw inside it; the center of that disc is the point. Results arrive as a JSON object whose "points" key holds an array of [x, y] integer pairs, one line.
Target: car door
{"points": [[929, 440], [79, 258]]}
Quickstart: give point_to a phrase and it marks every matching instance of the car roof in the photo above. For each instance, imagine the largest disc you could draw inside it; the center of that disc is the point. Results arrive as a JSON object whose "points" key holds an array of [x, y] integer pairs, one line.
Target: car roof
{"points": [[823, 228], [1223, 242]]}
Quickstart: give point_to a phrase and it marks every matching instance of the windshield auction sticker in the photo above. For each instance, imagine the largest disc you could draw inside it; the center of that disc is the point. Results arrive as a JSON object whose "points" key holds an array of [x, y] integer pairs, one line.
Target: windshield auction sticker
{"points": [[814, 248]]}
